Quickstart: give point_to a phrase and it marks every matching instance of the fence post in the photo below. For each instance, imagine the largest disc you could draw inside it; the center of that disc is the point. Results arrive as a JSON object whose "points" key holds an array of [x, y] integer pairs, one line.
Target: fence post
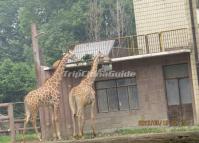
{"points": [[161, 42], [147, 44], [11, 123]]}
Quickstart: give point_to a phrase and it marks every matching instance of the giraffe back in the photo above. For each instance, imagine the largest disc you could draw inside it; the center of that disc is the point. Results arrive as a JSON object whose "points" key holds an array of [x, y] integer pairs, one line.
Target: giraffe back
{"points": [[42, 96]]}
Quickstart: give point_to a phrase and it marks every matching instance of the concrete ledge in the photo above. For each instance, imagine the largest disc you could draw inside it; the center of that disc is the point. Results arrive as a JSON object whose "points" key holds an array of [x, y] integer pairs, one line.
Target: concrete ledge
{"points": [[185, 137], [172, 52]]}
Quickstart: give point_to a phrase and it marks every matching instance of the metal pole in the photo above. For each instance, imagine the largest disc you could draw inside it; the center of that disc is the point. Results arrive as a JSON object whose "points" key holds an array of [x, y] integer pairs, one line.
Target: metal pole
{"points": [[193, 28], [194, 58]]}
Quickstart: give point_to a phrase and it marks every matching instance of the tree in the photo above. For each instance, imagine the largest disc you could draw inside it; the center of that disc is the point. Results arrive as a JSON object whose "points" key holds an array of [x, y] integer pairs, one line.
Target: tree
{"points": [[15, 81], [12, 41], [64, 22], [68, 22], [117, 18]]}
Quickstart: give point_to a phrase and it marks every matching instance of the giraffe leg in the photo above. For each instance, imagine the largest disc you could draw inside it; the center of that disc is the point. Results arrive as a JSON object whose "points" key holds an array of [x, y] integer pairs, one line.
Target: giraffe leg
{"points": [[53, 122], [73, 113], [57, 125], [74, 125], [82, 121], [34, 124], [80, 117], [25, 124], [93, 118]]}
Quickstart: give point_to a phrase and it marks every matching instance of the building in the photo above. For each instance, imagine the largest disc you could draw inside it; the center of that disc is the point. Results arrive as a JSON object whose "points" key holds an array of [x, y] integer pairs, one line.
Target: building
{"points": [[163, 90]]}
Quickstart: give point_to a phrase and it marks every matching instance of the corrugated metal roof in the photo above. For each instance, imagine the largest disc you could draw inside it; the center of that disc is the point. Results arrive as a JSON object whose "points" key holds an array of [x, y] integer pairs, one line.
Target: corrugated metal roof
{"points": [[93, 48]]}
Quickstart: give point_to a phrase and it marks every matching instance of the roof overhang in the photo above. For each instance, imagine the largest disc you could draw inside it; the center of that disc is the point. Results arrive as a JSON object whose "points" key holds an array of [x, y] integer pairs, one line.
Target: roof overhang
{"points": [[173, 52], [114, 60], [127, 58]]}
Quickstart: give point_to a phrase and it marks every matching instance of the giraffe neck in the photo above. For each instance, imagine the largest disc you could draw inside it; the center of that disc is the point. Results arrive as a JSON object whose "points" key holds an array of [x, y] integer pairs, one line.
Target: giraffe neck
{"points": [[58, 74], [92, 74]]}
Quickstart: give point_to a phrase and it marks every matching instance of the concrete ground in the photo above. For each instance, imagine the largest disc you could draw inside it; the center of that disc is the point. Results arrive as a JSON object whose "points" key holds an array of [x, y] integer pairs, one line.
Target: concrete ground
{"points": [[184, 137]]}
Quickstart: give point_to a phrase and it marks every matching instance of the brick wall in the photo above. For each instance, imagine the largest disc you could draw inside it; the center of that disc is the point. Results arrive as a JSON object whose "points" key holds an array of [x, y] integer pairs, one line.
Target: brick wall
{"points": [[160, 15], [151, 93]]}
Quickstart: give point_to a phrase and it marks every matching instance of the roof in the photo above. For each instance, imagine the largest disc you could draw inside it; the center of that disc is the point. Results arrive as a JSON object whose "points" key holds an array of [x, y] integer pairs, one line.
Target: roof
{"points": [[93, 48], [127, 58], [120, 59]]}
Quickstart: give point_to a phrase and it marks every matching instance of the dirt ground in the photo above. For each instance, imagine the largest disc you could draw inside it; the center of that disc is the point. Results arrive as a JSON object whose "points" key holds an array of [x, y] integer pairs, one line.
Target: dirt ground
{"points": [[185, 137]]}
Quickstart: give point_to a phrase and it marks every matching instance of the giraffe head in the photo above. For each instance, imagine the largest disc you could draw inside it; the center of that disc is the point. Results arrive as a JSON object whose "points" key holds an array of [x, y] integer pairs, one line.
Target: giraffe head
{"points": [[69, 55], [99, 57], [72, 55]]}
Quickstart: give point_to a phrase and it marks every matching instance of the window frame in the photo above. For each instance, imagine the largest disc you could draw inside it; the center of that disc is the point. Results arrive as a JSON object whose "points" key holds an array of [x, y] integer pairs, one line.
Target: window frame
{"points": [[197, 4], [128, 86]]}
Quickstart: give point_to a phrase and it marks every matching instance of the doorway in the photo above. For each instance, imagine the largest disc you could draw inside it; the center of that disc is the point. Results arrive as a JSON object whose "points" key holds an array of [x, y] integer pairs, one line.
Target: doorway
{"points": [[178, 93]]}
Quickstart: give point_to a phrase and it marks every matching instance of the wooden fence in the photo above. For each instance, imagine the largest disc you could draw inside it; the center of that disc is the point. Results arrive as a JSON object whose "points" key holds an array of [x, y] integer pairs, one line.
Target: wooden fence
{"points": [[11, 121], [10, 118]]}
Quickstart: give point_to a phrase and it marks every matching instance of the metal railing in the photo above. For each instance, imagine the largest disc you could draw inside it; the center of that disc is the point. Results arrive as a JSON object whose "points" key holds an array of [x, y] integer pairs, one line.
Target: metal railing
{"points": [[139, 44], [152, 43]]}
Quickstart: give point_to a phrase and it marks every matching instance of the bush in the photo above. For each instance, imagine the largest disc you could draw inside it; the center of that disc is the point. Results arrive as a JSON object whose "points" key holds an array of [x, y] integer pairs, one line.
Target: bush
{"points": [[16, 79]]}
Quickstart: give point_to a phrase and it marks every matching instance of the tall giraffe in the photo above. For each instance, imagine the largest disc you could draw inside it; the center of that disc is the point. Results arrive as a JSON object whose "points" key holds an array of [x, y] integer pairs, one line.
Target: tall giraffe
{"points": [[83, 95], [48, 94]]}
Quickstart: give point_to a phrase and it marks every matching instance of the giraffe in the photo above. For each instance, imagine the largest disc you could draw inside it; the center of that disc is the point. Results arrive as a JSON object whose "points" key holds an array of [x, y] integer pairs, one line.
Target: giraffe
{"points": [[47, 95], [53, 68], [55, 64], [82, 95]]}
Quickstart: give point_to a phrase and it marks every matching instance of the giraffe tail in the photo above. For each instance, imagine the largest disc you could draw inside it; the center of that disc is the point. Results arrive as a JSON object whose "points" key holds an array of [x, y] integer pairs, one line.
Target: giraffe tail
{"points": [[27, 118]]}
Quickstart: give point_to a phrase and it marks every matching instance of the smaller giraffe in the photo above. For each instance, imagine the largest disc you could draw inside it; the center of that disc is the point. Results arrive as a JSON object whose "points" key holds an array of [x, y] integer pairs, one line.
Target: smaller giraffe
{"points": [[47, 95], [83, 95]]}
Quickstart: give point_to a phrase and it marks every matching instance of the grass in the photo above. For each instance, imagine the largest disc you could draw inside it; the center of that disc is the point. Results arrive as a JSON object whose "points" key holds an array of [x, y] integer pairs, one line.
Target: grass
{"points": [[145, 130], [28, 137], [5, 139], [124, 131], [157, 130], [139, 131]]}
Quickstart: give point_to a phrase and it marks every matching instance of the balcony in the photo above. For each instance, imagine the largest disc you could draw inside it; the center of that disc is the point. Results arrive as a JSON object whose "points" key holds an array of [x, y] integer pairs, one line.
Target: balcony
{"points": [[139, 46]]}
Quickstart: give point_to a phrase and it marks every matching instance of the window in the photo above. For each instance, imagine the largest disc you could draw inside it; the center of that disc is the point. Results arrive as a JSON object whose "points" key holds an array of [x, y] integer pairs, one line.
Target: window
{"points": [[177, 84], [117, 95]]}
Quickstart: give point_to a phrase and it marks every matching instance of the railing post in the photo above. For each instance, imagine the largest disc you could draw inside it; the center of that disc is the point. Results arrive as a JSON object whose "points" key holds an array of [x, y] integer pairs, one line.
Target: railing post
{"points": [[161, 42], [130, 46], [147, 44], [11, 123]]}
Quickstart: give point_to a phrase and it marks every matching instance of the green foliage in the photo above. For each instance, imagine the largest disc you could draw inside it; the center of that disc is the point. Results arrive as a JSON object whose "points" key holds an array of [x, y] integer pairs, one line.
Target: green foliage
{"points": [[139, 131], [28, 137], [19, 138], [12, 41], [109, 18], [86, 58], [5, 139], [64, 22], [15, 81]]}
